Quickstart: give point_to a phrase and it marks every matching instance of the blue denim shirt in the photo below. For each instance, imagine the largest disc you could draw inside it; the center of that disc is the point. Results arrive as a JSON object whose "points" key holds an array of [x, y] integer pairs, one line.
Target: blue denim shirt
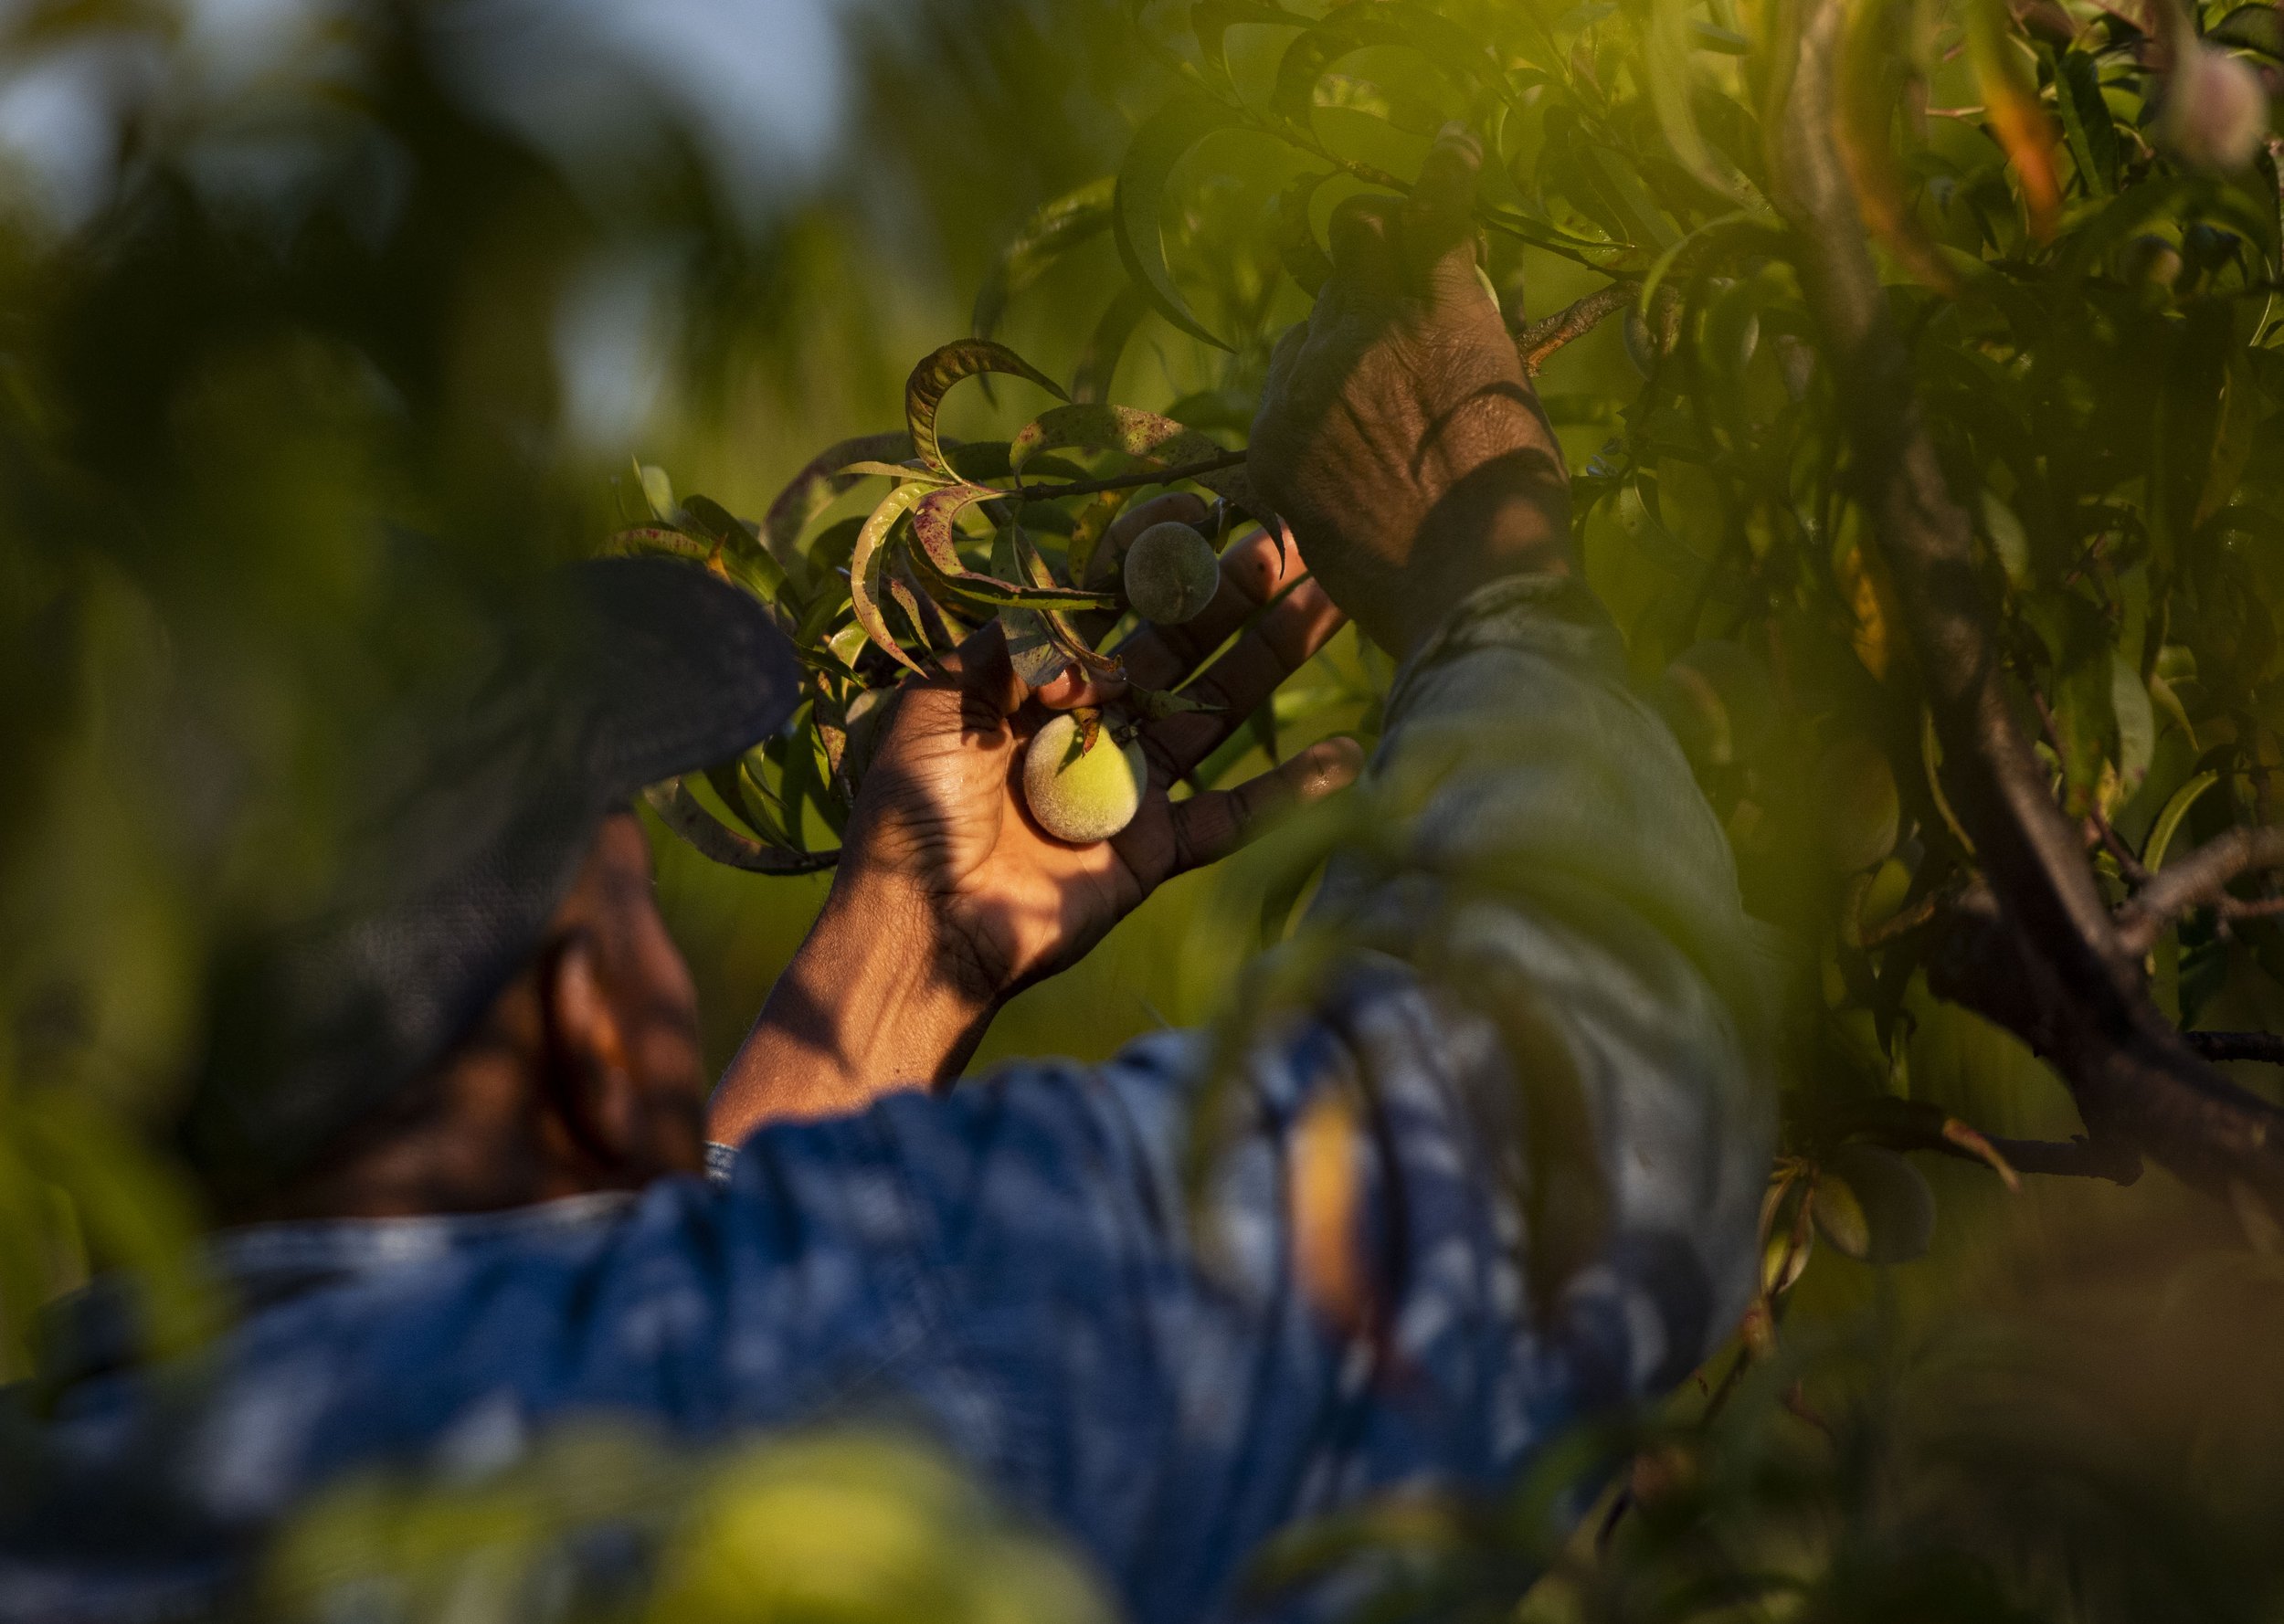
{"points": [[1562, 1150]]}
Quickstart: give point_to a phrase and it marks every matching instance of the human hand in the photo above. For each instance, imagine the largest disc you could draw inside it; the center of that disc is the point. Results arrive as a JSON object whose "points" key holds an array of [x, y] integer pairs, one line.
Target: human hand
{"points": [[950, 898], [1398, 435]]}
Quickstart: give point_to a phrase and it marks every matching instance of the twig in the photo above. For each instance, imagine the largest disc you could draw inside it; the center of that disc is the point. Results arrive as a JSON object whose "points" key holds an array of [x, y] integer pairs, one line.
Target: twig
{"points": [[1164, 476], [2114, 844], [1535, 342], [2265, 1046], [2075, 1157], [2197, 881], [1902, 923]]}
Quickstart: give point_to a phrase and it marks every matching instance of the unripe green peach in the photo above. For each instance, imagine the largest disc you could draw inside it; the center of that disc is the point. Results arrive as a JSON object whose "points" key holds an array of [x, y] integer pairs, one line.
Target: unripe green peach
{"points": [[1171, 574], [1078, 795]]}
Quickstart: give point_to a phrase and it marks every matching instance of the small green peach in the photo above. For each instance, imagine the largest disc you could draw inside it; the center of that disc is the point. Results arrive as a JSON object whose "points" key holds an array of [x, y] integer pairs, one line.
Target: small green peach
{"points": [[1082, 795], [1171, 574]]}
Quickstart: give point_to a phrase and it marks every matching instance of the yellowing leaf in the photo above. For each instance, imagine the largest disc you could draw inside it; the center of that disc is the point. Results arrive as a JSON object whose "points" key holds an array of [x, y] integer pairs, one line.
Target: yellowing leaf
{"points": [[1872, 637]]}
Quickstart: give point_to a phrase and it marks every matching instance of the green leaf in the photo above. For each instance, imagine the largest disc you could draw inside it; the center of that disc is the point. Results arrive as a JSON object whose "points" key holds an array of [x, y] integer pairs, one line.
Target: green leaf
{"points": [[1098, 362], [2253, 28], [1137, 219], [866, 562], [932, 520], [824, 478], [2085, 122], [1053, 230], [2137, 724], [1032, 649], [1144, 435], [1645, 220], [2168, 824], [687, 817], [2086, 723], [962, 358], [658, 491], [2188, 423], [737, 547], [1666, 40], [848, 643], [1458, 53], [1210, 20]]}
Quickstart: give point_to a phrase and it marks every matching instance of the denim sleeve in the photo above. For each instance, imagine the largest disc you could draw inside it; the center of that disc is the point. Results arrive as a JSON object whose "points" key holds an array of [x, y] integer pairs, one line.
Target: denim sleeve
{"points": [[1548, 1034]]}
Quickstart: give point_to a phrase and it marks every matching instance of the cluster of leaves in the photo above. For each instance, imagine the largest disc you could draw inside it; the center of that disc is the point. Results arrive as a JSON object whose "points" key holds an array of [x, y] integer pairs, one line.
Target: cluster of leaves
{"points": [[2090, 305], [2013, 1465], [599, 1524], [945, 548]]}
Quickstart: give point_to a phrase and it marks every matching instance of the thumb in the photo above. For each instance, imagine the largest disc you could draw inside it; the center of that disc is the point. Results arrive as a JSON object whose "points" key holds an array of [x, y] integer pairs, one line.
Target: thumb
{"points": [[1439, 217], [1209, 826]]}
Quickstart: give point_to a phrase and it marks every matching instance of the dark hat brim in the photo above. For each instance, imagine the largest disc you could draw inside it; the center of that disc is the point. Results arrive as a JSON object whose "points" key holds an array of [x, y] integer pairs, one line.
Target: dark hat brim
{"points": [[621, 673]]}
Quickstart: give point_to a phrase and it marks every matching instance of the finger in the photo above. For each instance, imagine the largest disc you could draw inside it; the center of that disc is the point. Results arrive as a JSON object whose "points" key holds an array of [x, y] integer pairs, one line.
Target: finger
{"points": [[1243, 679], [1210, 825], [1439, 231], [1254, 571], [1075, 687], [985, 674], [1362, 238]]}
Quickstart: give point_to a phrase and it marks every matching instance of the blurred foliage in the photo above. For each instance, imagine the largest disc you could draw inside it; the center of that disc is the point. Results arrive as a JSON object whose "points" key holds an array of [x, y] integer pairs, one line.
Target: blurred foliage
{"points": [[2088, 275], [596, 1524], [297, 392]]}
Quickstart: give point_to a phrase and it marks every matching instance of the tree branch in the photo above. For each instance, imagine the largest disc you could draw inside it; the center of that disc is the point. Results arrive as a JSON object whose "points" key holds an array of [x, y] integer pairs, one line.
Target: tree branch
{"points": [[1539, 340], [2265, 1046], [2197, 881], [2037, 951], [1164, 476]]}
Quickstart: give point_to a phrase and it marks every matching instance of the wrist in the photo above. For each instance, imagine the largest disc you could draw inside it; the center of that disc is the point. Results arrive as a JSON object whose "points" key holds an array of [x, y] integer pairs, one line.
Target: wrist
{"points": [[1510, 516], [871, 1004]]}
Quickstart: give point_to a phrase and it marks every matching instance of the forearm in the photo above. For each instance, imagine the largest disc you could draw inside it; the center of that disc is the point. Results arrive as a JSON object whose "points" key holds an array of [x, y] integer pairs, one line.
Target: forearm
{"points": [[869, 1007]]}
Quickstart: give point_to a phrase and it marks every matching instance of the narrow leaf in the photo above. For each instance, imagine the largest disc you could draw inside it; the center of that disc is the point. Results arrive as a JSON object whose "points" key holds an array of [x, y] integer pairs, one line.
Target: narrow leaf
{"points": [[1457, 53], [658, 491], [2085, 122], [865, 562], [1053, 230], [820, 480], [1138, 220], [1138, 434], [687, 817], [1098, 363], [962, 358]]}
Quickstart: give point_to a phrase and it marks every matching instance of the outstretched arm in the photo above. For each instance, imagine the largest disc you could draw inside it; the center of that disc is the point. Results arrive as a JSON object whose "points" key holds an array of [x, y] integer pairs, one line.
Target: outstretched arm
{"points": [[1496, 1166], [950, 899]]}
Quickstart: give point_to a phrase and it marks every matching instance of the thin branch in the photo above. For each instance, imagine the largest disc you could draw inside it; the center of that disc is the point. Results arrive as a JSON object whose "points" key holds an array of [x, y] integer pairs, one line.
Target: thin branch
{"points": [[2129, 864], [1920, 913], [2197, 880], [1540, 338], [2265, 1046], [1164, 476], [2075, 1157]]}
